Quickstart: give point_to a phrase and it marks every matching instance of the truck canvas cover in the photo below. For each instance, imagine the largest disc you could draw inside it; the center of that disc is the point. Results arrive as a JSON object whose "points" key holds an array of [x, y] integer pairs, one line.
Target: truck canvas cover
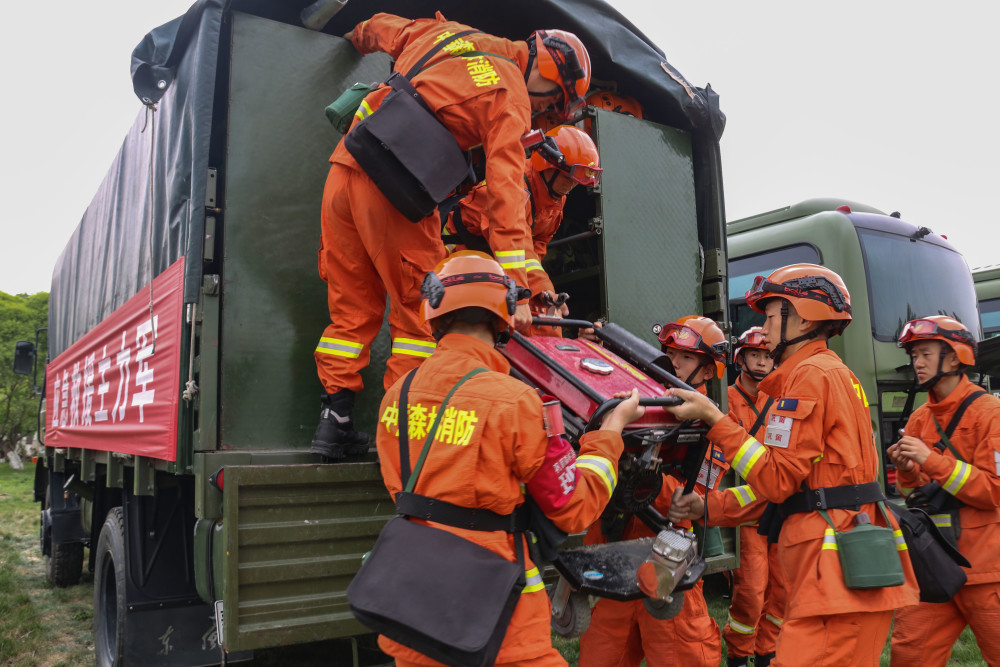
{"points": [[151, 209]]}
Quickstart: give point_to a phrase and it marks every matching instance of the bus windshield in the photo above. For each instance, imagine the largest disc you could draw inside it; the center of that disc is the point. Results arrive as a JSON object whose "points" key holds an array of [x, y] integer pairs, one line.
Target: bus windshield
{"points": [[908, 279]]}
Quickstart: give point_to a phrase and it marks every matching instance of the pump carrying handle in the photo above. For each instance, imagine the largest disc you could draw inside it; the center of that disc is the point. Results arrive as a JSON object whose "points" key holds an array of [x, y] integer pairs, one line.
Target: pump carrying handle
{"points": [[610, 404]]}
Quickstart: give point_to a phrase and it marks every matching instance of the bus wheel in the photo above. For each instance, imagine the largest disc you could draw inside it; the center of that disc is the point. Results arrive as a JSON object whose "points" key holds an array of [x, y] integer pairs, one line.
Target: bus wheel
{"points": [[109, 592]]}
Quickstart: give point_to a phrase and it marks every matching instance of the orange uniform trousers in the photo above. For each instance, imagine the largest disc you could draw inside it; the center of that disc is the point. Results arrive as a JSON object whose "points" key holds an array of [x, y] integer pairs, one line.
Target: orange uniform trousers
{"points": [[621, 634], [854, 639], [773, 616], [370, 251], [749, 584], [923, 635]]}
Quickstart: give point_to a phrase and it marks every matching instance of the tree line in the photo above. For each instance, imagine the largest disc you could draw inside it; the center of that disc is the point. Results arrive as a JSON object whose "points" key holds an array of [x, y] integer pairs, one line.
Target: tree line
{"points": [[20, 316]]}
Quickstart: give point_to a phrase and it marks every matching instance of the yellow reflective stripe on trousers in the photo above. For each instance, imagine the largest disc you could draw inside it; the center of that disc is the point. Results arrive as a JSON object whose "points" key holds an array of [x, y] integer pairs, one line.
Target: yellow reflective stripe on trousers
{"points": [[339, 347], [418, 348], [602, 467], [532, 265], [774, 619], [900, 540], [740, 627], [511, 259], [959, 476], [363, 111], [830, 540], [747, 456], [744, 494], [533, 581]]}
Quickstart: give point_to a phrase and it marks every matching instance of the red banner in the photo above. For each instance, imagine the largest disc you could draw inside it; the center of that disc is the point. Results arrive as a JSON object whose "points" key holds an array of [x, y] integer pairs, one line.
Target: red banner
{"points": [[117, 388]]}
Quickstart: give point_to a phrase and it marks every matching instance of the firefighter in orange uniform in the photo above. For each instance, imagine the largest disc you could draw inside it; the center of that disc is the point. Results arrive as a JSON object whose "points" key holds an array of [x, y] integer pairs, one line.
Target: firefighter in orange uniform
{"points": [[818, 436], [495, 445], [369, 250], [566, 159], [757, 607], [623, 633], [968, 472]]}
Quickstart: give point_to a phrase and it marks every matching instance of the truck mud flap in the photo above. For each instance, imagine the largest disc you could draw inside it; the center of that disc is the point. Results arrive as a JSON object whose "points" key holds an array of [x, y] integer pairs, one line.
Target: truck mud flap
{"points": [[294, 537]]}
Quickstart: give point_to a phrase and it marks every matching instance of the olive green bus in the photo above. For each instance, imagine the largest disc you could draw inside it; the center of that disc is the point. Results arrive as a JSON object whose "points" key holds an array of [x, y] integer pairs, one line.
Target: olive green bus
{"points": [[895, 271]]}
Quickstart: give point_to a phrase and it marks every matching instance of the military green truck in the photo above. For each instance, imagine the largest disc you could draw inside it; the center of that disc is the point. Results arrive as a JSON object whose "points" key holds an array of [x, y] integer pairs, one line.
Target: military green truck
{"points": [[987, 281], [895, 272], [182, 393]]}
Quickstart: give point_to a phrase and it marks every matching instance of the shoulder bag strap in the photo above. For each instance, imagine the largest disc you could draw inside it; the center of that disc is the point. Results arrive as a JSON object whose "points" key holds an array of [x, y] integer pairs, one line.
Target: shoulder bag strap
{"points": [[404, 429], [434, 427], [434, 49], [761, 416], [953, 424], [746, 397]]}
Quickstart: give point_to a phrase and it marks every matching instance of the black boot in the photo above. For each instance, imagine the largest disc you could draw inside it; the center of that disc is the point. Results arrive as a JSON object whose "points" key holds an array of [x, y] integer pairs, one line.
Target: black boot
{"points": [[335, 436], [740, 661], [763, 660]]}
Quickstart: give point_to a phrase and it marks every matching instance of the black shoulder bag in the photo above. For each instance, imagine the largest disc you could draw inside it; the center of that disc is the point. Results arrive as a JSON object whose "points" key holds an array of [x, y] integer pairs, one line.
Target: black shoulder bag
{"points": [[936, 560], [412, 158], [430, 589]]}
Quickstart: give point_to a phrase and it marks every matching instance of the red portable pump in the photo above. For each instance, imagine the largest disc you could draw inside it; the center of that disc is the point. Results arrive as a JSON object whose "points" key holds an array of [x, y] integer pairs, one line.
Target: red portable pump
{"points": [[584, 376]]}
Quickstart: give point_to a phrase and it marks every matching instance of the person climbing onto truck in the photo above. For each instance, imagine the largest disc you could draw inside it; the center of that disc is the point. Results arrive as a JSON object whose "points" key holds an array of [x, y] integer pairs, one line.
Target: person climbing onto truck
{"points": [[949, 459], [492, 444], [818, 464], [567, 158], [370, 250], [624, 633]]}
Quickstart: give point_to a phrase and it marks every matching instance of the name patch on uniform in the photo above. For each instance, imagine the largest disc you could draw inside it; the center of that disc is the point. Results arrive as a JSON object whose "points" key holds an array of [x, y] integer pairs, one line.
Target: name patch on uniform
{"points": [[789, 404], [779, 429]]}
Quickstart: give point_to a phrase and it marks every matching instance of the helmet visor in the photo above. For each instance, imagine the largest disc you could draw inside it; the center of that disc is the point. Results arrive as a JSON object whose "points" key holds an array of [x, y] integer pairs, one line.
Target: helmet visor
{"points": [[921, 329], [685, 338], [583, 174], [752, 339]]}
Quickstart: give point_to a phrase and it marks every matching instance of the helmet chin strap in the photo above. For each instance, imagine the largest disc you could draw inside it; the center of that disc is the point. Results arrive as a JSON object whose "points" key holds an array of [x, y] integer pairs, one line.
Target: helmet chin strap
{"points": [[779, 349], [549, 181], [691, 378], [756, 375]]}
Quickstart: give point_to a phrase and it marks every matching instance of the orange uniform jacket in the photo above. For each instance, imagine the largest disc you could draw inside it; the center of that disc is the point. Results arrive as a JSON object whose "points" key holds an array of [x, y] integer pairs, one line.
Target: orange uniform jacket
{"points": [[821, 433], [490, 442], [975, 480], [543, 212], [482, 100]]}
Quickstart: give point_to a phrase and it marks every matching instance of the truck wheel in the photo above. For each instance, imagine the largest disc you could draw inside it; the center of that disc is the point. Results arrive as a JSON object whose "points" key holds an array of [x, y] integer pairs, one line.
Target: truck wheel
{"points": [[663, 610], [64, 565], [109, 591], [575, 619]]}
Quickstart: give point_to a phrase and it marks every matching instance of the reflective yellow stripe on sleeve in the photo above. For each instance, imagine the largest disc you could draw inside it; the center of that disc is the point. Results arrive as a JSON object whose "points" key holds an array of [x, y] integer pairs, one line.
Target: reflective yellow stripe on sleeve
{"points": [[905, 491], [339, 347], [600, 466], [533, 265], [363, 111], [417, 348], [533, 581], [774, 619], [511, 259], [747, 456], [744, 494], [959, 476], [830, 540], [900, 540]]}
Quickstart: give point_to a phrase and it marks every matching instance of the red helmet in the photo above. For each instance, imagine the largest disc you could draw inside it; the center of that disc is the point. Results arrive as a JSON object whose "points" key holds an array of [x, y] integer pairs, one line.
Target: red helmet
{"points": [[816, 292], [942, 328], [605, 99], [563, 59], [694, 333], [577, 156], [469, 279], [751, 339]]}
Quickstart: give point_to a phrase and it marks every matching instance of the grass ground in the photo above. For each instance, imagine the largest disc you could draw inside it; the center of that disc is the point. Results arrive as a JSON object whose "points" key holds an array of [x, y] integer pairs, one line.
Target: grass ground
{"points": [[46, 626]]}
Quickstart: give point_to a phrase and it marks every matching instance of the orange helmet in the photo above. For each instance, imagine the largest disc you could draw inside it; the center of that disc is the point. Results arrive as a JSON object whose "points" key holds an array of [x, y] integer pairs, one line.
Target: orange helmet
{"points": [[563, 59], [945, 329], [696, 334], [469, 279], [751, 339], [577, 156], [816, 292], [605, 99], [545, 121]]}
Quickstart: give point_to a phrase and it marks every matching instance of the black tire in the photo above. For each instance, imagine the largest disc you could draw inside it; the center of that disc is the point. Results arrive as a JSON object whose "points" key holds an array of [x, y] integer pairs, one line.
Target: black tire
{"points": [[575, 618], [663, 610], [64, 566], [109, 592]]}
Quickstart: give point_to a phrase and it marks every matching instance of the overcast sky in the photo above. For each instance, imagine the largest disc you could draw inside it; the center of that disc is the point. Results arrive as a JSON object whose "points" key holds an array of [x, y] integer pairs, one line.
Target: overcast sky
{"points": [[888, 103]]}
